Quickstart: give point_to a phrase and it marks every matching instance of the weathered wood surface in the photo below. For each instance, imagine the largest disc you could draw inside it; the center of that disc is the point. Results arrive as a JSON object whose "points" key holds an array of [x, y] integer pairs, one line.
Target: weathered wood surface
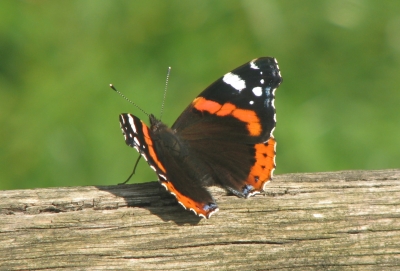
{"points": [[346, 220]]}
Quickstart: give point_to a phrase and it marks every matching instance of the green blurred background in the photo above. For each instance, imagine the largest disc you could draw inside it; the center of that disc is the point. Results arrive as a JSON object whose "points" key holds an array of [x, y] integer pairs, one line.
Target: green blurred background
{"points": [[338, 107]]}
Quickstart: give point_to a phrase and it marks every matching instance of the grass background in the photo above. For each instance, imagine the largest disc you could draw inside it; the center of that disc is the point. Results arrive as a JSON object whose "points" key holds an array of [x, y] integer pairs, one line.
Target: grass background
{"points": [[337, 108]]}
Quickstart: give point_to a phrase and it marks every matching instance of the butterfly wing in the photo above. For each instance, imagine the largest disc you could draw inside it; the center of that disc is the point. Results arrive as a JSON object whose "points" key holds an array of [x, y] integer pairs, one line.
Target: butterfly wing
{"points": [[229, 128], [165, 154]]}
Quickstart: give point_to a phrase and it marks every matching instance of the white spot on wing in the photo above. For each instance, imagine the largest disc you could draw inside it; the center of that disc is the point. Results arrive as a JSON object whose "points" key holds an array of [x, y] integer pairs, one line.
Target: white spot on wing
{"points": [[262, 81], [210, 214], [253, 193], [253, 65], [257, 91], [235, 81], [136, 141], [277, 66], [271, 134], [181, 203], [193, 210], [251, 102], [162, 176], [132, 124], [144, 156]]}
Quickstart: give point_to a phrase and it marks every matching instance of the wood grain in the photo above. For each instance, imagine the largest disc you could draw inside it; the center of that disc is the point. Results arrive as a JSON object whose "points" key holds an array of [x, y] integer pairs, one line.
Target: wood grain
{"points": [[347, 220]]}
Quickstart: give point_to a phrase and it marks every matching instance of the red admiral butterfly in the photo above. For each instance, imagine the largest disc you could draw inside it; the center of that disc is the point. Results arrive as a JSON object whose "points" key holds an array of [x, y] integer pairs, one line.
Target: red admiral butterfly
{"points": [[223, 137]]}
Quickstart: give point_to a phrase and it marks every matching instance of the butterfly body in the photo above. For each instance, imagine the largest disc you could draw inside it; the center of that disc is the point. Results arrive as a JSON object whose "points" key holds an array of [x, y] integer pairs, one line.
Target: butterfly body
{"points": [[224, 137]]}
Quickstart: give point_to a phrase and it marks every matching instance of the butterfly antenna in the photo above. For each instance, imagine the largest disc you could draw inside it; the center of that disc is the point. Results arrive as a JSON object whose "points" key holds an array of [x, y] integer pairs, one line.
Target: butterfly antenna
{"points": [[165, 91], [123, 96]]}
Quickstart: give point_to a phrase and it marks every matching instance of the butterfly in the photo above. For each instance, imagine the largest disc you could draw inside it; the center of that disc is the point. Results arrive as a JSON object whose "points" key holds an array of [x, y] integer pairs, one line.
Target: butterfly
{"points": [[224, 137]]}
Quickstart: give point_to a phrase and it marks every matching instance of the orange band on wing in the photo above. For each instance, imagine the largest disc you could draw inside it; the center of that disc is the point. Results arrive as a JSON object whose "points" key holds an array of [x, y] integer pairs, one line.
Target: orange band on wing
{"points": [[261, 172], [247, 116], [226, 109], [187, 202], [149, 143], [202, 104], [250, 117]]}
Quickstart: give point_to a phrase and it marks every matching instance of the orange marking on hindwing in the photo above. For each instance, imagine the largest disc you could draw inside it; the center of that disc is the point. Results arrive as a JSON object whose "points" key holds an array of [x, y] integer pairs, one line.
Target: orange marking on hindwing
{"points": [[188, 203], [261, 172]]}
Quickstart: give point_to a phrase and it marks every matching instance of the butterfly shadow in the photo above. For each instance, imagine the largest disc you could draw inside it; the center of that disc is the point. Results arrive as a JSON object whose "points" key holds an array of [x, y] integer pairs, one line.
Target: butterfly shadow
{"points": [[152, 197]]}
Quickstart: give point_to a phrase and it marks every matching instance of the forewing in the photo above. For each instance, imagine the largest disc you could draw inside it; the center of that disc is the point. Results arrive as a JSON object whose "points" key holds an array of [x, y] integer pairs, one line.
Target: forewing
{"points": [[229, 127], [246, 94]]}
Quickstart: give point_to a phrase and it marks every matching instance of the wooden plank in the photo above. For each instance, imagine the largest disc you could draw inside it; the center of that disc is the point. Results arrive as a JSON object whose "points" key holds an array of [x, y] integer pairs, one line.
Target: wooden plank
{"points": [[347, 220]]}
